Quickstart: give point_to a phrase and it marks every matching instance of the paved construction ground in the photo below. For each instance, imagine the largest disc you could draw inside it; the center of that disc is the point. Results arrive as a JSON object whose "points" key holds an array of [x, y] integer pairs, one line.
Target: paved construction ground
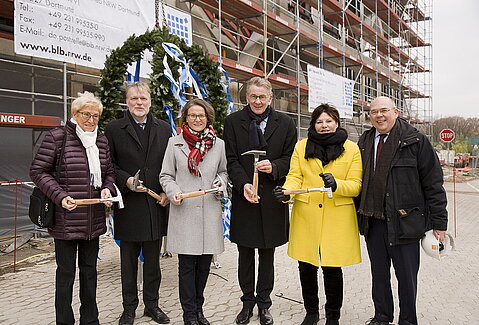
{"points": [[448, 290]]}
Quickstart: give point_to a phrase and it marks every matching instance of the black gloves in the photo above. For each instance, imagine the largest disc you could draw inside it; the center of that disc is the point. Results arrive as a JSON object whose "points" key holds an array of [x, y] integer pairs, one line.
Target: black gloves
{"points": [[329, 181], [278, 194]]}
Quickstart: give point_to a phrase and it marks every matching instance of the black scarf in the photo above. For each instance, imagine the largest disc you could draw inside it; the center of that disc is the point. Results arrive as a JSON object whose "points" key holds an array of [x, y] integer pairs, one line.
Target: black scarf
{"points": [[325, 146], [256, 136], [375, 180]]}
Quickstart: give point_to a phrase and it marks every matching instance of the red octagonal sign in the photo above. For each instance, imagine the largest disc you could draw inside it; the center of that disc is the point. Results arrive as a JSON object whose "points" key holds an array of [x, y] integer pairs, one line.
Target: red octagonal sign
{"points": [[447, 135]]}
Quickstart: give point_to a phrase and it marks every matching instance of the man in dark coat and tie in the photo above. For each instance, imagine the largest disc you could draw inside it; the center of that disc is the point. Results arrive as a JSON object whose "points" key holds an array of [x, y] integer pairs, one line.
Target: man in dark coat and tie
{"points": [[402, 197], [138, 142], [258, 224]]}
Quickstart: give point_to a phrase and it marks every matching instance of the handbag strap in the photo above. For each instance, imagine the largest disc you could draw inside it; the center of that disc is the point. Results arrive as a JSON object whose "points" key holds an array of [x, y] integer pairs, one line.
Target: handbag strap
{"points": [[62, 152]]}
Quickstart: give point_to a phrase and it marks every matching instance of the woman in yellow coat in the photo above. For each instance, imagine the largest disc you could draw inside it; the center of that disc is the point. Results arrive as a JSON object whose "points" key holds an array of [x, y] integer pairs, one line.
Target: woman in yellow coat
{"points": [[324, 231]]}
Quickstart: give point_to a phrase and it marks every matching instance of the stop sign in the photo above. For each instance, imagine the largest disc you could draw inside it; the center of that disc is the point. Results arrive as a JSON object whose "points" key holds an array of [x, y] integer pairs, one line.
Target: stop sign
{"points": [[447, 135]]}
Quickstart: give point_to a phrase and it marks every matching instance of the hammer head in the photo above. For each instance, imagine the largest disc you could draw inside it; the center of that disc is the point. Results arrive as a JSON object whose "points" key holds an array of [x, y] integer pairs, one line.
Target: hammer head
{"points": [[136, 180], [223, 188], [255, 153], [118, 198]]}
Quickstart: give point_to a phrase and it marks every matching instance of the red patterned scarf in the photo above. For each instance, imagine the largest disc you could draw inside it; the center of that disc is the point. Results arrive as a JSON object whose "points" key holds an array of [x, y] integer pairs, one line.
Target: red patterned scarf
{"points": [[199, 146]]}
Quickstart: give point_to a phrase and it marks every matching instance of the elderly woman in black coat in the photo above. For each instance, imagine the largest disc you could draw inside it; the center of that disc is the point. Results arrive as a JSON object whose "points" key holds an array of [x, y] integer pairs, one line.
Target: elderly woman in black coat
{"points": [[85, 172]]}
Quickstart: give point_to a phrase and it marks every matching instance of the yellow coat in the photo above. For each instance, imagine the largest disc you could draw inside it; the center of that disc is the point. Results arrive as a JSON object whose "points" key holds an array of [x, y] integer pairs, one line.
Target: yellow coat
{"points": [[318, 222]]}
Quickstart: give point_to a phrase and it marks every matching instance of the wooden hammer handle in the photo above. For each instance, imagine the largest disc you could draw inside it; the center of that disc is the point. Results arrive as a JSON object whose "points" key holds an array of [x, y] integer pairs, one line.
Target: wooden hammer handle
{"points": [[87, 201], [295, 191], [255, 185], [191, 194], [153, 194]]}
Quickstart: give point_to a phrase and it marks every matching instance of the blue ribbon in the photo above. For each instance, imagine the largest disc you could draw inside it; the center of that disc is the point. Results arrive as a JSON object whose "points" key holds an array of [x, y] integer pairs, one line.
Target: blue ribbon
{"points": [[226, 86], [226, 217], [187, 79], [169, 112]]}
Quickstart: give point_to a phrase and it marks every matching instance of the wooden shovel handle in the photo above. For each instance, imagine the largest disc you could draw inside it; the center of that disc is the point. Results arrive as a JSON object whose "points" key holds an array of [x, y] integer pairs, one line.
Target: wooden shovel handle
{"points": [[87, 201], [295, 191], [191, 194]]}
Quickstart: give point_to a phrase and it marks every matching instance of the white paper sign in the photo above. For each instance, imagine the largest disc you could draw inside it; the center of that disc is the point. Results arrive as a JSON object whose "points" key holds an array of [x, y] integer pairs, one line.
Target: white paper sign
{"points": [[78, 31], [327, 87]]}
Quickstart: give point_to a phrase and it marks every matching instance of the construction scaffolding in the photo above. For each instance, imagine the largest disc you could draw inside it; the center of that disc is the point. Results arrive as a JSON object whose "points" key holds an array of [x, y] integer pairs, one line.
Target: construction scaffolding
{"points": [[383, 45]]}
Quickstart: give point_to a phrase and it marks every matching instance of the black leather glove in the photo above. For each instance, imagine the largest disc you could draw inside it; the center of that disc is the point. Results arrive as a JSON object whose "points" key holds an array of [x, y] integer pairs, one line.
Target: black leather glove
{"points": [[278, 194], [329, 181]]}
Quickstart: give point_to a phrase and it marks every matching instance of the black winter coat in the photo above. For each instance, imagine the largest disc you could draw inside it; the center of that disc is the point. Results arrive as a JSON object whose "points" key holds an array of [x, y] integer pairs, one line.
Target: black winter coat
{"points": [[415, 198], [265, 224], [86, 221], [142, 219]]}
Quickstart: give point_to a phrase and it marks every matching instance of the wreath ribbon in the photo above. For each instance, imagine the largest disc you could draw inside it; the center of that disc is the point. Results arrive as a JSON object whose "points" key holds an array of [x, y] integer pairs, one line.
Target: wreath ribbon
{"points": [[188, 77]]}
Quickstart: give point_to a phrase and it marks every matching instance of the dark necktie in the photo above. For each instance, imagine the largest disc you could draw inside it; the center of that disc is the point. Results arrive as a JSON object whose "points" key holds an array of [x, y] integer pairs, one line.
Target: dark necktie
{"points": [[142, 125], [380, 147]]}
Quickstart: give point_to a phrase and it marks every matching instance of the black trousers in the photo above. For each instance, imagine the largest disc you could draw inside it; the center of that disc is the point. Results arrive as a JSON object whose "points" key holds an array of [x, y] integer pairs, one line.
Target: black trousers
{"points": [[405, 260], [333, 289], [66, 255], [246, 276], [193, 273], [129, 252]]}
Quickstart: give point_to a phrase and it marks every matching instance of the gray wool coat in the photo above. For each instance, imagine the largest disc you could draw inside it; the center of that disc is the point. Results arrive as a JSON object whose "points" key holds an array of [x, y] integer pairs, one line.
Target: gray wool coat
{"points": [[194, 227]]}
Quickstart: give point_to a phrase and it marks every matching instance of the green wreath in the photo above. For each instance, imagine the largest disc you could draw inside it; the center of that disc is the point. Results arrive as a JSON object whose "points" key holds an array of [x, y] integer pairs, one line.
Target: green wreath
{"points": [[112, 76]]}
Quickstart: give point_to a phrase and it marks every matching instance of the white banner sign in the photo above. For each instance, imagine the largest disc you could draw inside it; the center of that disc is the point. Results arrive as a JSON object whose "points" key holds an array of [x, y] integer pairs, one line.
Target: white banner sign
{"points": [[78, 31], [327, 87]]}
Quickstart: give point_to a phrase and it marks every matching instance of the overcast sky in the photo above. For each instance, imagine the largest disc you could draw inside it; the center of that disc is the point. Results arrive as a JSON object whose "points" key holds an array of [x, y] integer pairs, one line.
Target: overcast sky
{"points": [[455, 58]]}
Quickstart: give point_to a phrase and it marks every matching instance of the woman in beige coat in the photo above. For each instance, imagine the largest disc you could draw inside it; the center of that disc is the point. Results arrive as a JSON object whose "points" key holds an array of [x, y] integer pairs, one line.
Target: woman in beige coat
{"points": [[324, 231], [193, 160]]}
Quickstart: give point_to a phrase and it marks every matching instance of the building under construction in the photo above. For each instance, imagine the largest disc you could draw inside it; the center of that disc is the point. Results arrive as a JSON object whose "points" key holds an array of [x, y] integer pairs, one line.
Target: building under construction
{"points": [[384, 46]]}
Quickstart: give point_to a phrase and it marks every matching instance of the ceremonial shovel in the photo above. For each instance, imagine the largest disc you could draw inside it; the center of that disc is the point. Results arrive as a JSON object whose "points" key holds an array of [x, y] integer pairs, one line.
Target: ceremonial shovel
{"points": [[308, 190], [137, 182], [256, 154], [222, 189], [118, 198]]}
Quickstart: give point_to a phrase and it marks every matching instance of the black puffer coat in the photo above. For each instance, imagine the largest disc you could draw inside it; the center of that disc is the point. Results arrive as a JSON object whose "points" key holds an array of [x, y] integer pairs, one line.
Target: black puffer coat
{"points": [[86, 221], [415, 200]]}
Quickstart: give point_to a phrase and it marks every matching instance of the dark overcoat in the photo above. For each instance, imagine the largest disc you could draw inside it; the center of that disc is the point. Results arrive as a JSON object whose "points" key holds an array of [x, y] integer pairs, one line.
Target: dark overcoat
{"points": [[265, 224], [142, 219], [415, 200]]}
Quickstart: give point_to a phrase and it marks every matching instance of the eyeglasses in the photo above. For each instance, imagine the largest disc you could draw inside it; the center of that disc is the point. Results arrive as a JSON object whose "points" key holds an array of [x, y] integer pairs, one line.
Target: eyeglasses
{"points": [[262, 98], [88, 116], [193, 117], [375, 112]]}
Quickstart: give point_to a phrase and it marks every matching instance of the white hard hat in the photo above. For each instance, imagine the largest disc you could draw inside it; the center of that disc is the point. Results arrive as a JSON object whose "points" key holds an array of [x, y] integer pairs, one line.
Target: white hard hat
{"points": [[436, 249]]}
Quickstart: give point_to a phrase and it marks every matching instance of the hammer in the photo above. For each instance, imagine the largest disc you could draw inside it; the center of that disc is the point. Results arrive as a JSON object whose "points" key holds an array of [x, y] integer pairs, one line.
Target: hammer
{"points": [[256, 154], [118, 198], [222, 189], [309, 190], [137, 182]]}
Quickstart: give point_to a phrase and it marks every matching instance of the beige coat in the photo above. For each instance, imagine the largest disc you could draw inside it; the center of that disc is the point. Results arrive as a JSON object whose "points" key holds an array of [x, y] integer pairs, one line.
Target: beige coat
{"points": [[318, 222], [194, 227]]}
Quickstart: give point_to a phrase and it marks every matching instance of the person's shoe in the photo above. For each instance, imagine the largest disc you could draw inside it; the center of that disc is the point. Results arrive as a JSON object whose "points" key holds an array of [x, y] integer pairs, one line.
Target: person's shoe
{"points": [[127, 318], [157, 315], [244, 315], [265, 317], [310, 319], [332, 322], [201, 318], [191, 322], [373, 321]]}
